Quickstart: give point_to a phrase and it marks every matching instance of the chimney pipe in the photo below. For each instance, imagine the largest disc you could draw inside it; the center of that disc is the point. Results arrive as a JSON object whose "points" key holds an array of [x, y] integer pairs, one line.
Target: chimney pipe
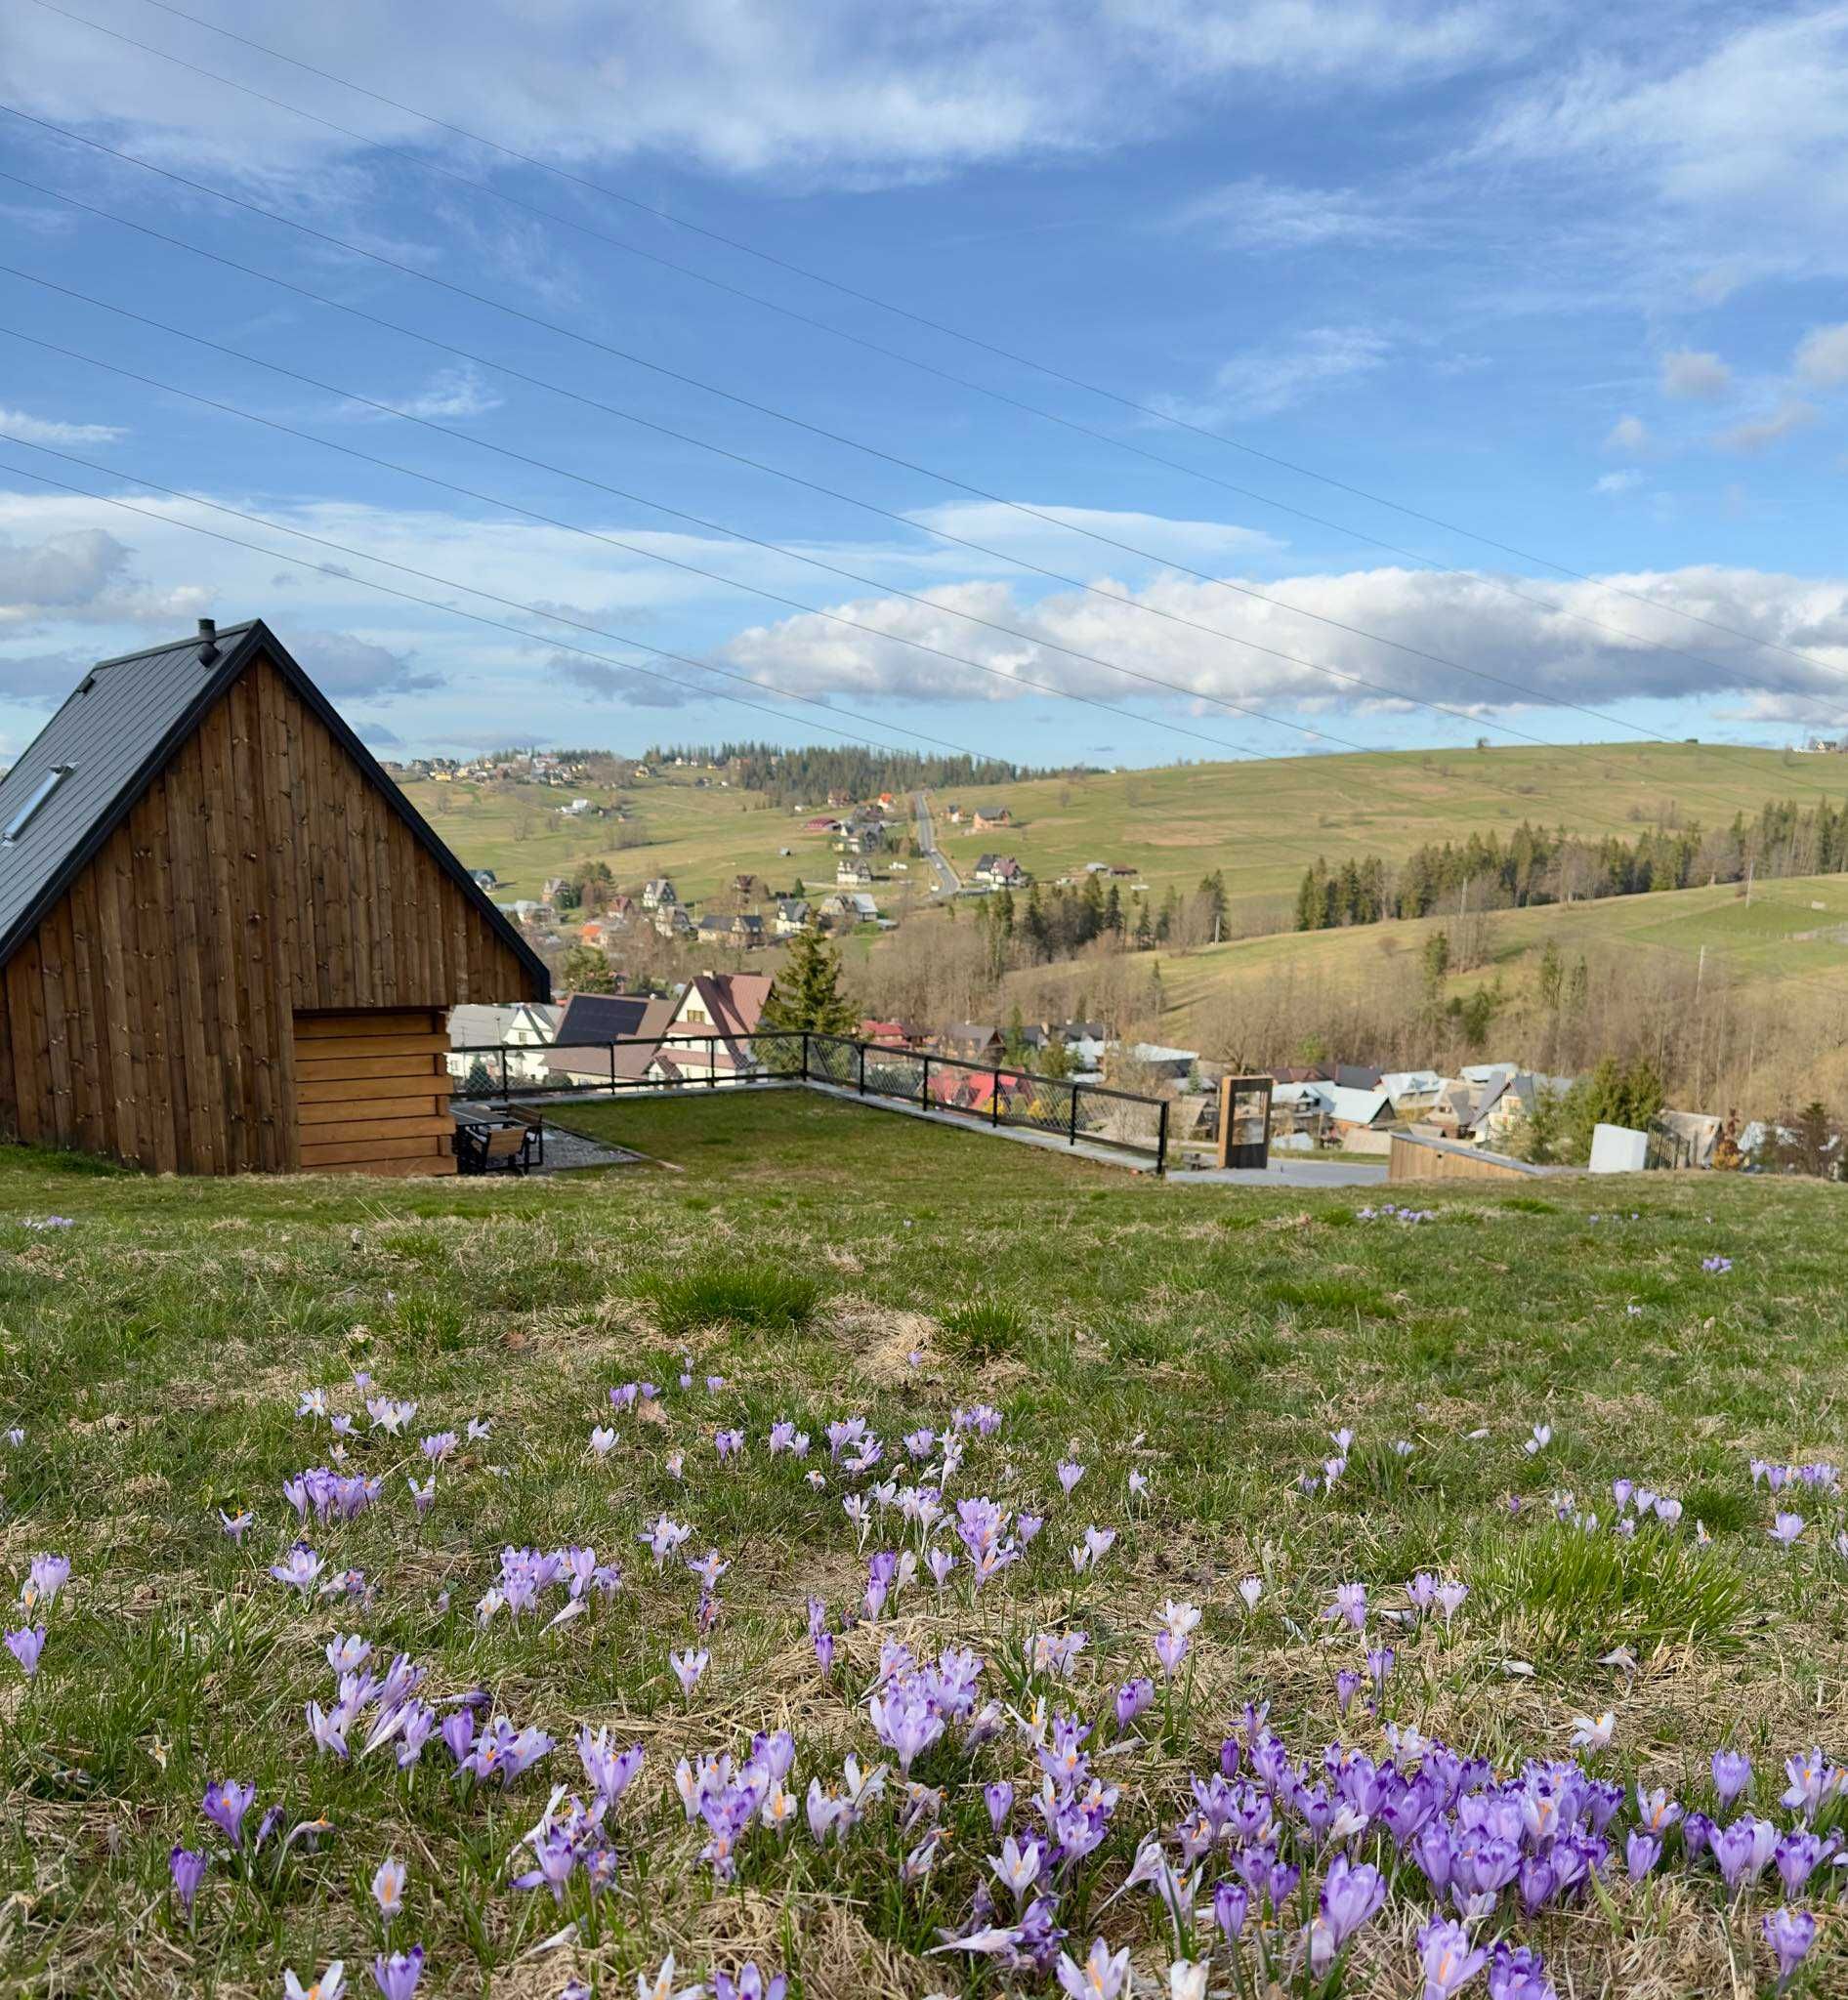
{"points": [[208, 641]]}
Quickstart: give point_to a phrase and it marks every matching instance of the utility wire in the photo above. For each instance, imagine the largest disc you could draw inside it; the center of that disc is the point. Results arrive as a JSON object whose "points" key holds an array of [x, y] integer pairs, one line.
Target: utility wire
{"points": [[1246, 842], [672, 561], [511, 604], [1131, 403], [704, 523], [800, 423], [718, 527], [500, 625]]}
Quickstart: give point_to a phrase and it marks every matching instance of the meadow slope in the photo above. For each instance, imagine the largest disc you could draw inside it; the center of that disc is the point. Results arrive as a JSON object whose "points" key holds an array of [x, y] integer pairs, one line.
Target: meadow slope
{"points": [[1291, 1389], [1261, 822]]}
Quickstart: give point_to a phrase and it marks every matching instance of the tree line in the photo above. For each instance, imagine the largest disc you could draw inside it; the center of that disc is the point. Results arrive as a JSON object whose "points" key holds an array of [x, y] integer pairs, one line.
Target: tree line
{"points": [[809, 774], [1538, 865]]}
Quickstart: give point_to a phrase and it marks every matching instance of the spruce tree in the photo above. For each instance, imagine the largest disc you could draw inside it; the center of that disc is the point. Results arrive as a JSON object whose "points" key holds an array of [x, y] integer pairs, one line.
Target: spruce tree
{"points": [[806, 993]]}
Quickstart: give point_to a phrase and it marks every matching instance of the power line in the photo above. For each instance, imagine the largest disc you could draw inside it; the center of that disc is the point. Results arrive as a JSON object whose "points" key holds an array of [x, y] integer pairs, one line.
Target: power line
{"points": [[788, 602], [456, 610], [473, 590], [550, 521], [721, 529], [672, 561], [513, 603], [1131, 403], [700, 521], [821, 430]]}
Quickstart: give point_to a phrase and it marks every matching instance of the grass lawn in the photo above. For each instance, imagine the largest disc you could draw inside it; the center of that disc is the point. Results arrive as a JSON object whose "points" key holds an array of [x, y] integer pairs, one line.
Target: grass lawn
{"points": [[816, 1262]]}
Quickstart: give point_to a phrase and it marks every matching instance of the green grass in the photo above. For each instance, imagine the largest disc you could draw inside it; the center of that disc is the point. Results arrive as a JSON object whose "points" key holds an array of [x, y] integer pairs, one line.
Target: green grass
{"points": [[759, 1297], [827, 1261]]}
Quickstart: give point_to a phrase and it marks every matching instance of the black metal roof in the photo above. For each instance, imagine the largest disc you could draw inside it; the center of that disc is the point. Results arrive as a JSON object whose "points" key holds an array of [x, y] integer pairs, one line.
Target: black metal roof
{"points": [[113, 735], [602, 1017]]}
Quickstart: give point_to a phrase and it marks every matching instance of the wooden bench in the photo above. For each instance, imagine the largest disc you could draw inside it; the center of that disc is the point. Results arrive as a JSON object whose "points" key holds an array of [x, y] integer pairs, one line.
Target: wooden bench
{"points": [[514, 1148]]}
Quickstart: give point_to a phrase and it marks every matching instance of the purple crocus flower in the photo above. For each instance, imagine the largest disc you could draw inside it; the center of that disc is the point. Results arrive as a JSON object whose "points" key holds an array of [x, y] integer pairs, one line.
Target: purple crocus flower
{"points": [[1798, 1855], [1347, 1685], [1132, 1698], [1790, 1933], [25, 1645], [999, 1800], [1641, 1851], [1743, 1850], [188, 1870], [459, 1733], [1446, 1959], [1352, 1893], [1231, 1902], [224, 1805], [1350, 1604], [1519, 1973], [396, 1976], [750, 1985]]}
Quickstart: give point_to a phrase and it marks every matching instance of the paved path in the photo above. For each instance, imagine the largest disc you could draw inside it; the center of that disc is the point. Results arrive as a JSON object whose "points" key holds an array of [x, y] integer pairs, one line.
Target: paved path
{"points": [[949, 882], [1285, 1172]]}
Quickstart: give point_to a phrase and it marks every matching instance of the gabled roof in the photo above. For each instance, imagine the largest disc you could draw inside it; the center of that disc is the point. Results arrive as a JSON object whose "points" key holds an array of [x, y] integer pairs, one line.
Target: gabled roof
{"points": [[116, 732]]}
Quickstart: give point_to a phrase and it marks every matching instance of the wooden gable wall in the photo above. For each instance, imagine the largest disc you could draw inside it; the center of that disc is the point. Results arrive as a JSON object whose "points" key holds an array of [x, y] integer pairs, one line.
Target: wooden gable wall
{"points": [[151, 1014]]}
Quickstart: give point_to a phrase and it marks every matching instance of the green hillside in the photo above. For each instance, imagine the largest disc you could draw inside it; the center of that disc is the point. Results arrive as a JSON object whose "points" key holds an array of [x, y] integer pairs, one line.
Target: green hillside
{"points": [[1796, 928], [1259, 822], [1264, 822]]}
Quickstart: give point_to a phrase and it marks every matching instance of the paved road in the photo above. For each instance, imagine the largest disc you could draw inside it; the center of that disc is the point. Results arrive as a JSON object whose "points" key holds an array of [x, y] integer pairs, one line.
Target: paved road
{"points": [[949, 882]]}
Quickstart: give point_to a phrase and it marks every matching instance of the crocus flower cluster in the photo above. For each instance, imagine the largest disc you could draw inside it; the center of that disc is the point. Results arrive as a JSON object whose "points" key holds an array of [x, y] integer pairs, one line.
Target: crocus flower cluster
{"points": [[396, 1717]]}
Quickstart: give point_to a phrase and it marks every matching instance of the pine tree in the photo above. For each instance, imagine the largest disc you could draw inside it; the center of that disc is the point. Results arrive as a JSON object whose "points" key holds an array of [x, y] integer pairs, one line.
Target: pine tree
{"points": [[586, 970], [806, 993]]}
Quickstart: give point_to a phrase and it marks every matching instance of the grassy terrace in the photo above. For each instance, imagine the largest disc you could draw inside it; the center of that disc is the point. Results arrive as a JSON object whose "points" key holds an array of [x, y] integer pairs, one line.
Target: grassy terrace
{"points": [[827, 1262]]}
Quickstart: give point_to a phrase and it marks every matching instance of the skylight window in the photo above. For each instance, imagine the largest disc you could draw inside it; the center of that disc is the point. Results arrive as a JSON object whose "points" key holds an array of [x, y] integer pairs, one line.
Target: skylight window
{"points": [[36, 797]]}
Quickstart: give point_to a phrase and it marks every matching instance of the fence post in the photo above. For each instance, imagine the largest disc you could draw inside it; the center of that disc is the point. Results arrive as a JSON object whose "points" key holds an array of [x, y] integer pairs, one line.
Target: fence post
{"points": [[1162, 1140], [924, 1086], [712, 1061], [863, 1069], [1072, 1138], [805, 1054], [503, 1076], [995, 1100], [613, 1069]]}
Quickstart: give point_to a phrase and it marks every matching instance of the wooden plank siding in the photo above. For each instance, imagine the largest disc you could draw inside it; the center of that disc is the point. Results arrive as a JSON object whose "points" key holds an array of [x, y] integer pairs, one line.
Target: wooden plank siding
{"points": [[262, 940], [357, 1113]]}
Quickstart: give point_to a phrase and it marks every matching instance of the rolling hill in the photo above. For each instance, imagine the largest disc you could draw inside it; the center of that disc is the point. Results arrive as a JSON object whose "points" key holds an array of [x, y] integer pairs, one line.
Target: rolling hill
{"points": [[1261, 824]]}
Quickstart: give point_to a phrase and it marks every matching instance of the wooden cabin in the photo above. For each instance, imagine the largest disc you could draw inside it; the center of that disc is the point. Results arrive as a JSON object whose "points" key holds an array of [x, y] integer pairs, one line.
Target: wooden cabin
{"points": [[228, 941]]}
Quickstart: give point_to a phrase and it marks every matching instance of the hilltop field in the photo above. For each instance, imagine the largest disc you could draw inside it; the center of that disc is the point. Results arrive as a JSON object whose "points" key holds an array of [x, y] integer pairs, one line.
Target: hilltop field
{"points": [[366, 1511], [1261, 823]]}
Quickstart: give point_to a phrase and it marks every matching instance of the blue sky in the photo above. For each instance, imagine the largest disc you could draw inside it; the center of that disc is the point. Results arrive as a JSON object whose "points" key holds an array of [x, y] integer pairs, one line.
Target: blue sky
{"points": [[1571, 280]]}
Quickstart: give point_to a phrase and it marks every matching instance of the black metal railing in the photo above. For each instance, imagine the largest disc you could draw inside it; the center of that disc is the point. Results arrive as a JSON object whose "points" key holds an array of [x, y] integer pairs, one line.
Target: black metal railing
{"points": [[993, 1094]]}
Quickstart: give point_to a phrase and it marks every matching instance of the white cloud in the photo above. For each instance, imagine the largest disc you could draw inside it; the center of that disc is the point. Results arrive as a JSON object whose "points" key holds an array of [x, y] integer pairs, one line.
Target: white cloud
{"points": [[1262, 214], [1264, 380], [1628, 433], [1615, 483], [1196, 543], [48, 431], [77, 575], [450, 394], [1690, 373], [1760, 433], [1822, 356], [756, 87], [1544, 645], [1707, 158]]}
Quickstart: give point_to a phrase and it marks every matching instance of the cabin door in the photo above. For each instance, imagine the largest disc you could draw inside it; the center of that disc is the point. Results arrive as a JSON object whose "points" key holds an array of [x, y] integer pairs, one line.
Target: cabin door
{"points": [[372, 1092]]}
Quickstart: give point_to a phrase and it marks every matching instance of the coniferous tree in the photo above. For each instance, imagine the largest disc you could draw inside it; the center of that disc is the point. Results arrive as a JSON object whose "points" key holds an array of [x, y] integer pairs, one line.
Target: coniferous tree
{"points": [[806, 993]]}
